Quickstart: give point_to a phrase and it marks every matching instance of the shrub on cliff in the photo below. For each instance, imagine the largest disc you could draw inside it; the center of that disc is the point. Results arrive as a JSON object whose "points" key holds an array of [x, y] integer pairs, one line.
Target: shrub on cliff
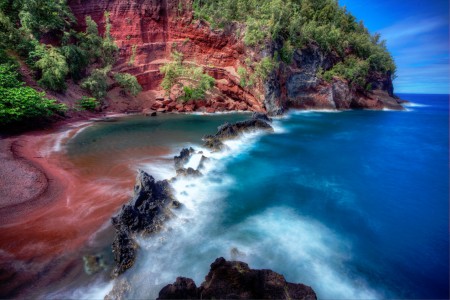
{"points": [[97, 82], [192, 80], [19, 103], [88, 103], [352, 69], [54, 69], [128, 82]]}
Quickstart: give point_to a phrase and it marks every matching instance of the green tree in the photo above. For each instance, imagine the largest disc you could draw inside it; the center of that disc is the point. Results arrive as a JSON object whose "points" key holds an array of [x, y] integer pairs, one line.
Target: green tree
{"points": [[128, 82], [77, 60], [42, 16], [97, 82], [90, 40], [54, 69], [109, 47]]}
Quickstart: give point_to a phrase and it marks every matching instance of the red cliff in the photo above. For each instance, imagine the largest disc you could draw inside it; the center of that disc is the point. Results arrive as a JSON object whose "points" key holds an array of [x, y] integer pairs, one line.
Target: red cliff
{"points": [[156, 27]]}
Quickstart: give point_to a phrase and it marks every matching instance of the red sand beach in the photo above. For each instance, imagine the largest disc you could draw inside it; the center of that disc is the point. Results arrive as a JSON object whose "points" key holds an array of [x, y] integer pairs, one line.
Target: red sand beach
{"points": [[48, 210]]}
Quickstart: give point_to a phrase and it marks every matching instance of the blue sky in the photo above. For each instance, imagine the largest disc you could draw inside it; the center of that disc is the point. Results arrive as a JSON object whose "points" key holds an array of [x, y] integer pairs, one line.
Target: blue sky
{"points": [[417, 35]]}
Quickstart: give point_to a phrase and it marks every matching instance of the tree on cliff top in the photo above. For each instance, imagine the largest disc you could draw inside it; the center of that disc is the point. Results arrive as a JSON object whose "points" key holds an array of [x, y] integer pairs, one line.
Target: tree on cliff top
{"points": [[296, 24], [193, 81]]}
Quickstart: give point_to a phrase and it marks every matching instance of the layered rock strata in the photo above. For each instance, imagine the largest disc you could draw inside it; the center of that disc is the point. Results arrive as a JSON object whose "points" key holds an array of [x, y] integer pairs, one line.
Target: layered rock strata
{"points": [[148, 31]]}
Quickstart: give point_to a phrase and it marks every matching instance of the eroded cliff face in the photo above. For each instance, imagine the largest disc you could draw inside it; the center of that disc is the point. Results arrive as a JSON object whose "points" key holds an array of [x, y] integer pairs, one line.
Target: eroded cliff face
{"points": [[298, 86], [157, 27], [154, 28]]}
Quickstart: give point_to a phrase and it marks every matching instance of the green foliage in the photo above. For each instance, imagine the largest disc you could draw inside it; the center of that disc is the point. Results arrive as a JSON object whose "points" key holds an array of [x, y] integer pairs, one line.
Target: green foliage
{"points": [[287, 52], [9, 77], [77, 60], [54, 69], [109, 48], [19, 103], [90, 40], [352, 69], [298, 24], [42, 16], [265, 67], [128, 82], [194, 82], [133, 55], [88, 103], [97, 82], [244, 79], [9, 35]]}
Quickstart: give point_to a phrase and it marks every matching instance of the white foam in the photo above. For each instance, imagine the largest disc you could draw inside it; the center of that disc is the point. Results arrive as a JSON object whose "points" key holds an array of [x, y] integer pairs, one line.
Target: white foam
{"points": [[312, 111], [96, 290], [159, 168], [278, 127], [194, 161], [59, 139], [300, 248], [412, 104], [304, 251]]}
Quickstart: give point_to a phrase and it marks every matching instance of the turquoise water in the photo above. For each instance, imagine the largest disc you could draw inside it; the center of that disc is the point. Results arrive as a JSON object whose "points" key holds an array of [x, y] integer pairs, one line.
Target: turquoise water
{"points": [[353, 203]]}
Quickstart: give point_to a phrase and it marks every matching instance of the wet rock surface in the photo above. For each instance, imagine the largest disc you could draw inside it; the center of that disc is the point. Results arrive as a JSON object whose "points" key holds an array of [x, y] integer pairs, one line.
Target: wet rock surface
{"points": [[153, 200], [183, 158], [235, 280], [229, 131], [145, 213]]}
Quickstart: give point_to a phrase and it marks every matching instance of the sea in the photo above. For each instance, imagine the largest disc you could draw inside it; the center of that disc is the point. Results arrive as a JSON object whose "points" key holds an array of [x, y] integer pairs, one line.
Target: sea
{"points": [[354, 204]]}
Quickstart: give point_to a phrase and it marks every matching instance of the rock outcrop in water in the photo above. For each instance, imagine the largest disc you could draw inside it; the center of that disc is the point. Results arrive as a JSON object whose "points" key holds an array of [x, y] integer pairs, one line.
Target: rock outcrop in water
{"points": [[152, 201], [235, 280], [154, 28], [230, 131], [145, 213]]}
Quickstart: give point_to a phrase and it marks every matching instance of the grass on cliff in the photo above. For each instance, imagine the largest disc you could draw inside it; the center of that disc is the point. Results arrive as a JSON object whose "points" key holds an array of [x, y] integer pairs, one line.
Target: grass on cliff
{"points": [[296, 24]]}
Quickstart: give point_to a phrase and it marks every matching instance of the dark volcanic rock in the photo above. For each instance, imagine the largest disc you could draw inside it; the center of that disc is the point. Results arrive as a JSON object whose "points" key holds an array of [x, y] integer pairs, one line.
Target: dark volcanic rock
{"points": [[145, 213], [261, 116], [182, 288], [183, 158], [201, 164], [189, 172], [230, 131], [235, 280]]}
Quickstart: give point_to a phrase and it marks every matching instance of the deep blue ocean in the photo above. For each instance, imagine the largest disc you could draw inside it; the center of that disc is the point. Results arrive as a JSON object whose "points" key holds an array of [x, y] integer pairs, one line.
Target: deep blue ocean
{"points": [[354, 204]]}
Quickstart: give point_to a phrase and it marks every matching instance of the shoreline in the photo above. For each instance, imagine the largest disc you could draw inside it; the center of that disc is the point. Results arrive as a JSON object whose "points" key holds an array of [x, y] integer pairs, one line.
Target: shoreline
{"points": [[20, 150]]}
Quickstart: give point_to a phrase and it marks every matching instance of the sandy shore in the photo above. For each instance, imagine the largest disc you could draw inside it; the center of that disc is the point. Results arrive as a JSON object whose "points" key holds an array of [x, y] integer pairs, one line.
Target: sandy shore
{"points": [[50, 211], [27, 180]]}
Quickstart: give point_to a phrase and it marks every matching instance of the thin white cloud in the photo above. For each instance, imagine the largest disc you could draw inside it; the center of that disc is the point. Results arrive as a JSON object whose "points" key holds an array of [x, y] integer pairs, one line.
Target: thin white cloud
{"points": [[410, 28]]}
